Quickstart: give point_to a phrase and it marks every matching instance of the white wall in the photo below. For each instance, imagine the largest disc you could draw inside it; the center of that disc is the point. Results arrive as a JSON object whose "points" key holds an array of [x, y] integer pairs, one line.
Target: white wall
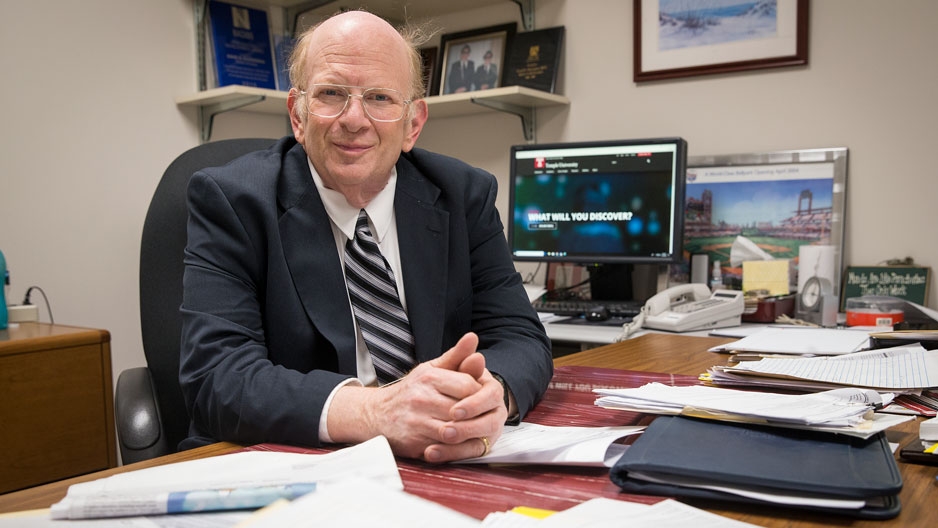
{"points": [[89, 124]]}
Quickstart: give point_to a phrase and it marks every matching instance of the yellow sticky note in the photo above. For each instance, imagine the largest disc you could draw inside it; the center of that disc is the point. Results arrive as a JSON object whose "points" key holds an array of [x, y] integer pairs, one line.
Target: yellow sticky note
{"points": [[536, 513], [771, 275]]}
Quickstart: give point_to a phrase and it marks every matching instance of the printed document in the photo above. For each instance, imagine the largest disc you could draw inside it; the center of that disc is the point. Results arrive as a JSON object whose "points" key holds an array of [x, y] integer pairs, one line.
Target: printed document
{"points": [[800, 341], [145, 491], [845, 410], [898, 368], [529, 443]]}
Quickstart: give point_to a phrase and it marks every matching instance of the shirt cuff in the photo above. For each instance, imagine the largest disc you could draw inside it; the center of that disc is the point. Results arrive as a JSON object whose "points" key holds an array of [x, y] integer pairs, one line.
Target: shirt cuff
{"points": [[514, 417], [324, 417]]}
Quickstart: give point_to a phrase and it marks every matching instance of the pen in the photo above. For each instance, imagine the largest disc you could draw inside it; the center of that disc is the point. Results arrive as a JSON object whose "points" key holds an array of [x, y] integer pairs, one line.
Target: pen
{"points": [[242, 498]]}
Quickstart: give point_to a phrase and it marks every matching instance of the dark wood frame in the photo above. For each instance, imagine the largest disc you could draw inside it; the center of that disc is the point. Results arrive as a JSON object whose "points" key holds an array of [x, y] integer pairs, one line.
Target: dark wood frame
{"points": [[799, 58], [505, 32], [429, 57]]}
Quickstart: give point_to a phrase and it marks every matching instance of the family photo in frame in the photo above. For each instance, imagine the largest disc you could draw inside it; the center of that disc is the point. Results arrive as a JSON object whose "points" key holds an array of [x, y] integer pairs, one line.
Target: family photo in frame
{"points": [[473, 60]]}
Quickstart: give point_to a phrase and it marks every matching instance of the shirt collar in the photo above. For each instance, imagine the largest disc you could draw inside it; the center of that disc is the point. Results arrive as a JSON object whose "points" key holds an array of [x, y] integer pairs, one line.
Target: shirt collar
{"points": [[380, 210]]}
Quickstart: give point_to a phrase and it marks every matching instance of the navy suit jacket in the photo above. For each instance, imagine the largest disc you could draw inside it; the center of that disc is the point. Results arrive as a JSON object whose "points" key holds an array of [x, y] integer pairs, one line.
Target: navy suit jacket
{"points": [[267, 328]]}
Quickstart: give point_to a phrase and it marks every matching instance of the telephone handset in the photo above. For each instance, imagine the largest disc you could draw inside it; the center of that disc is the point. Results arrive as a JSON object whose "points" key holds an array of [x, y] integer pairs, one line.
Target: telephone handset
{"points": [[689, 307]]}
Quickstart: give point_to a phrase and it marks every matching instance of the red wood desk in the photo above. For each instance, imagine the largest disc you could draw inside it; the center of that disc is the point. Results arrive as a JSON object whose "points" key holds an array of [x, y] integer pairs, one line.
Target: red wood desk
{"points": [[651, 353]]}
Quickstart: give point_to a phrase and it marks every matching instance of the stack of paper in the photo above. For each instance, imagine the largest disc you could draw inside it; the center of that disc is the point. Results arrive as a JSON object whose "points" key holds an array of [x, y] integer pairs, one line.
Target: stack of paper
{"points": [[150, 491], [898, 369], [797, 341], [847, 410]]}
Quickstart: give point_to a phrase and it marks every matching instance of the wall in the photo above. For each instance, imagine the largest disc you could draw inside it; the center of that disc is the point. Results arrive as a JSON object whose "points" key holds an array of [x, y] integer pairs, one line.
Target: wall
{"points": [[869, 86], [89, 124]]}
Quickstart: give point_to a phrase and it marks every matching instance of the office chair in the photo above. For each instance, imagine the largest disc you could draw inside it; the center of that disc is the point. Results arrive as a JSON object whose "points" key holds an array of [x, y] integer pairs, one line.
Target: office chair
{"points": [[149, 409]]}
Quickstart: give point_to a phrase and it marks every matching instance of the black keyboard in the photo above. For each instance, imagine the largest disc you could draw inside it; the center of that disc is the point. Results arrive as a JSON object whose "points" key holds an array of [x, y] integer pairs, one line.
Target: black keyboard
{"points": [[578, 307]]}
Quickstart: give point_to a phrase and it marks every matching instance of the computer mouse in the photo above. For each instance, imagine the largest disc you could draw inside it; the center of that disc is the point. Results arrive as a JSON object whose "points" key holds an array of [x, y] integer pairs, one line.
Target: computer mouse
{"points": [[597, 313]]}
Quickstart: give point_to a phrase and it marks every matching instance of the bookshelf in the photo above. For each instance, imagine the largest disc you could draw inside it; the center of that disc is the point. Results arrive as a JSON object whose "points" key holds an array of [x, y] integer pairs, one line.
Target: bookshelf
{"points": [[516, 100]]}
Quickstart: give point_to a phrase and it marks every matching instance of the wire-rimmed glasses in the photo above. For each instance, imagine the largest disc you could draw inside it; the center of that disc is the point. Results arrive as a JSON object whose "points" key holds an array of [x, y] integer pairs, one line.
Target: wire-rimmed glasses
{"points": [[380, 104]]}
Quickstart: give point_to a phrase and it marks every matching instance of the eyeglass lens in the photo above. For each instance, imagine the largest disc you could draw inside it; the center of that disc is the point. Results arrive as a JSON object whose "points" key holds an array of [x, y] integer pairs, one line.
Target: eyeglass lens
{"points": [[381, 104]]}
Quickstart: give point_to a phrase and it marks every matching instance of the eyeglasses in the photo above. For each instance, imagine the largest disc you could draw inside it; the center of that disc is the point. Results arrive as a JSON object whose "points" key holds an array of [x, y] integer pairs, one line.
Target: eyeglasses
{"points": [[380, 104]]}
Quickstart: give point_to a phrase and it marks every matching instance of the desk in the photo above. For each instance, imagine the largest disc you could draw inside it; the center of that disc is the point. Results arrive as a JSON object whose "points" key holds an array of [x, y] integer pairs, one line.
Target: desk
{"points": [[56, 404], [653, 352]]}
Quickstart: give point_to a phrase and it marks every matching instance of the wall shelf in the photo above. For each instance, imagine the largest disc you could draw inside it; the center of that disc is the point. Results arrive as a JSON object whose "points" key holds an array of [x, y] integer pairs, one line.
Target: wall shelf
{"points": [[517, 100]]}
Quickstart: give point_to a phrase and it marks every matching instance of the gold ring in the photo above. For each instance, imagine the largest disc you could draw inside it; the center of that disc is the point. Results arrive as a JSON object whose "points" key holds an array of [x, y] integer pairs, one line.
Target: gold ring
{"points": [[485, 443]]}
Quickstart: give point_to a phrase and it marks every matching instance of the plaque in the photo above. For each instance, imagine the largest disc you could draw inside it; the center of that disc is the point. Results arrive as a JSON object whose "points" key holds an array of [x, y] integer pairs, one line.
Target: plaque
{"points": [[533, 59], [241, 45]]}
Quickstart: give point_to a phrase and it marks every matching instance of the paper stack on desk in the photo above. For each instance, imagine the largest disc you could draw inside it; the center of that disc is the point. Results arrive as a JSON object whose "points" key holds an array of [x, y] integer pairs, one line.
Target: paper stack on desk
{"points": [[897, 369], [149, 491], [847, 410], [797, 341]]}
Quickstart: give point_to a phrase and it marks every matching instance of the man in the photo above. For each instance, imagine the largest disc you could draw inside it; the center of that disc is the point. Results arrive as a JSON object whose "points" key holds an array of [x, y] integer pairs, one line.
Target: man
{"points": [[271, 350], [461, 73], [487, 74]]}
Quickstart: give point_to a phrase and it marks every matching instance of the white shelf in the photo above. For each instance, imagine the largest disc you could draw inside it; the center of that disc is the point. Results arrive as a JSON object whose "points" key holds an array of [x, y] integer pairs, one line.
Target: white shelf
{"points": [[467, 103], [518, 100], [274, 102]]}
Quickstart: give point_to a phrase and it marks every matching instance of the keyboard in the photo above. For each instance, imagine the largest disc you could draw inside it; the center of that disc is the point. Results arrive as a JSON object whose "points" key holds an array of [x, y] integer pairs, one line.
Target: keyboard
{"points": [[578, 307]]}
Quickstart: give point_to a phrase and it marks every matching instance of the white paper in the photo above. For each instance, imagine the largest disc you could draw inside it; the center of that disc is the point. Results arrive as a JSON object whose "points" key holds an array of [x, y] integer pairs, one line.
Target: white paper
{"points": [[800, 340], [845, 410], [372, 460], [897, 368], [610, 513], [529, 443], [360, 502]]}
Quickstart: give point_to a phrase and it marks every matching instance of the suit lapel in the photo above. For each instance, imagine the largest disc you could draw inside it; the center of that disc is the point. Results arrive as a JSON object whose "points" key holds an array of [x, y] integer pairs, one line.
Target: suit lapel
{"points": [[422, 231], [316, 275]]}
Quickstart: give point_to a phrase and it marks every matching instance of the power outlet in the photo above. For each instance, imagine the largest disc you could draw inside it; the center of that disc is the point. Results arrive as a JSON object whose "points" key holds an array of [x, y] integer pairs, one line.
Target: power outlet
{"points": [[23, 313]]}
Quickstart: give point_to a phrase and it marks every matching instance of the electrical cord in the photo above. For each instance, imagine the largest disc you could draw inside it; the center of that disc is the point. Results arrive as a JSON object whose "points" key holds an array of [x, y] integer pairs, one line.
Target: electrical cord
{"points": [[27, 302], [634, 325]]}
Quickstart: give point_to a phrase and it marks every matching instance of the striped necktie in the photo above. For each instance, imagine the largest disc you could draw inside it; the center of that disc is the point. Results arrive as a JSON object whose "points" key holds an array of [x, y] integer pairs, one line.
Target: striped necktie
{"points": [[377, 306]]}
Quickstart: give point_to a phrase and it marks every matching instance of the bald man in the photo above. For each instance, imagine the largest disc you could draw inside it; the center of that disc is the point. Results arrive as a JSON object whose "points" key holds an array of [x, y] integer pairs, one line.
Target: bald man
{"points": [[272, 350]]}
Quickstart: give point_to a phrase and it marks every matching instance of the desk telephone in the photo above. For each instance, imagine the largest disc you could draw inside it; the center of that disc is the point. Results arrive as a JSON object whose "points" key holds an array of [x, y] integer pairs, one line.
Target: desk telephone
{"points": [[689, 307]]}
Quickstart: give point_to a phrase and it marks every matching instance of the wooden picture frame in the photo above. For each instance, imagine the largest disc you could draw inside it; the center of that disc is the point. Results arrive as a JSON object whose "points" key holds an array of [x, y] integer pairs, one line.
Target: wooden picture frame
{"points": [[488, 44], [428, 57], [692, 42]]}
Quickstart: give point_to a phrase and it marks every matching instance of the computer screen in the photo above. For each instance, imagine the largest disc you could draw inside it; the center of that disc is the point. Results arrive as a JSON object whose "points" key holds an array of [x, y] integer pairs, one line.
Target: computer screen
{"points": [[606, 204]]}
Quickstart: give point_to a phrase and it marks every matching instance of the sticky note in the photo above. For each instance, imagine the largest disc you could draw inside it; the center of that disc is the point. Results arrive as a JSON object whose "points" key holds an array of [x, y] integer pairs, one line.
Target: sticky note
{"points": [[771, 275]]}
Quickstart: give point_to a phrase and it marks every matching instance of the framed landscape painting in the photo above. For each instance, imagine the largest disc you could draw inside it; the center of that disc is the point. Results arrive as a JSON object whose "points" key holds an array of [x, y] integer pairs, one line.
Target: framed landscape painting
{"points": [[679, 38]]}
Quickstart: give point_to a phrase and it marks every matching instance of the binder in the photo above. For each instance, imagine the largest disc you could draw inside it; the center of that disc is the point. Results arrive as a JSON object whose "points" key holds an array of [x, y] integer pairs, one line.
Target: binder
{"points": [[771, 460]]}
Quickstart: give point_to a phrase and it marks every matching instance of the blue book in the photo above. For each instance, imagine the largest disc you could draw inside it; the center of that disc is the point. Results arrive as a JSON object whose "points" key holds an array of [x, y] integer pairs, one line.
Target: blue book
{"points": [[241, 45]]}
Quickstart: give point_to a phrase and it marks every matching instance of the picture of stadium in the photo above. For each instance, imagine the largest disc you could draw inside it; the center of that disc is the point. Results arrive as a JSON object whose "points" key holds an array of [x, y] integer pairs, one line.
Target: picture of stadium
{"points": [[779, 216]]}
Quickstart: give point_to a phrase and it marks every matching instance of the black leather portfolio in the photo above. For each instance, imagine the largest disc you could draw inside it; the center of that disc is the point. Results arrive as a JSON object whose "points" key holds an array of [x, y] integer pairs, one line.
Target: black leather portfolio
{"points": [[679, 457]]}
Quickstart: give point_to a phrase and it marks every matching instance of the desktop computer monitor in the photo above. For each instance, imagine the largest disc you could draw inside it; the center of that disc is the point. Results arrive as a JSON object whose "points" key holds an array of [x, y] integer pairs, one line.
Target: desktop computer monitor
{"points": [[607, 205]]}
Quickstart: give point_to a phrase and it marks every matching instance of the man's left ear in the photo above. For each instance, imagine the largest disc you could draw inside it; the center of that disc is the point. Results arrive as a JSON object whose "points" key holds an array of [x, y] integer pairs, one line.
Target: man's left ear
{"points": [[415, 124]]}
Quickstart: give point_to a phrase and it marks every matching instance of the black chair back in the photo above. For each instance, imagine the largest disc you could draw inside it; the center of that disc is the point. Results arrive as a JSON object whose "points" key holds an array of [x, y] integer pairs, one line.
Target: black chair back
{"points": [[161, 270]]}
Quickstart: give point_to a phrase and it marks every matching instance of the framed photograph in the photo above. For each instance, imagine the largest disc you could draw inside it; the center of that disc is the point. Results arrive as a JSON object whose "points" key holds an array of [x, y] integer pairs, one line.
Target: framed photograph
{"points": [[739, 205], [473, 60], [675, 38], [428, 56]]}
